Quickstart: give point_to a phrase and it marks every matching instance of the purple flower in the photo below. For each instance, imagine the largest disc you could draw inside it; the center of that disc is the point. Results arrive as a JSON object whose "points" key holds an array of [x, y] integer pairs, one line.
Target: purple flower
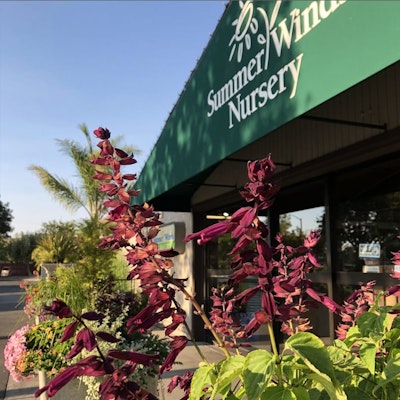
{"points": [[59, 309], [84, 339], [90, 366], [183, 382], [102, 133], [209, 233], [177, 344]]}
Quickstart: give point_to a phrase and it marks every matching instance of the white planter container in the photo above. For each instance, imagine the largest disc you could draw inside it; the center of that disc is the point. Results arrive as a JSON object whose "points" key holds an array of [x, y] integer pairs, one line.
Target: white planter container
{"points": [[74, 390]]}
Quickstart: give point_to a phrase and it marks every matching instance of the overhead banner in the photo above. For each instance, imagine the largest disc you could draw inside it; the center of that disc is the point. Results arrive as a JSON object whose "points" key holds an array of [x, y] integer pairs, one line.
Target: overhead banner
{"points": [[267, 63]]}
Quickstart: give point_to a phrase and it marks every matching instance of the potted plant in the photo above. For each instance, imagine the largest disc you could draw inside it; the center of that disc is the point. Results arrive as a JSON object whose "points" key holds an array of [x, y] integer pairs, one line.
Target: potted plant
{"points": [[37, 348], [116, 309]]}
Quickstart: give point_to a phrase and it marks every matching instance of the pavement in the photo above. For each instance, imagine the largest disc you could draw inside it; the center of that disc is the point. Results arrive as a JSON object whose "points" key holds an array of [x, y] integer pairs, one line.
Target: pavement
{"points": [[12, 318]]}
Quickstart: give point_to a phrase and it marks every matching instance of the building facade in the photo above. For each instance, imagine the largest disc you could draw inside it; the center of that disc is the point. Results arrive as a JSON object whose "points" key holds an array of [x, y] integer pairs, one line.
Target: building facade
{"points": [[316, 84]]}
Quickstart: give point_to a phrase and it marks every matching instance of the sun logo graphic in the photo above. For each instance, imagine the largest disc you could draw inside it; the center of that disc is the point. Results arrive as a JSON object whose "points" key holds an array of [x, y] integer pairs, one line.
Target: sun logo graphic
{"points": [[247, 26]]}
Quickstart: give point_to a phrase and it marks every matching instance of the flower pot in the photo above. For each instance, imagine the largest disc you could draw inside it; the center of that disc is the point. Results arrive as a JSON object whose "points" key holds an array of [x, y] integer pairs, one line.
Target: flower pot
{"points": [[152, 385], [74, 390]]}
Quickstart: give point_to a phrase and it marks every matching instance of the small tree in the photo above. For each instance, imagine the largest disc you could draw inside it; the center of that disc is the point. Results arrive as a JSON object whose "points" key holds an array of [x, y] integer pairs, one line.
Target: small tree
{"points": [[5, 228], [58, 244], [5, 219], [19, 249]]}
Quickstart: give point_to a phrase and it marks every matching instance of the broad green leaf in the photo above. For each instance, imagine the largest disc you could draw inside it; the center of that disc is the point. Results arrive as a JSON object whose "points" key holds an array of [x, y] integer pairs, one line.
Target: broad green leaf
{"points": [[392, 338], [229, 369], [355, 393], [353, 334], [204, 376], [257, 372], [311, 349], [396, 322], [333, 392], [367, 356], [391, 372], [277, 393], [341, 357], [314, 393], [301, 393], [339, 344], [371, 324]]}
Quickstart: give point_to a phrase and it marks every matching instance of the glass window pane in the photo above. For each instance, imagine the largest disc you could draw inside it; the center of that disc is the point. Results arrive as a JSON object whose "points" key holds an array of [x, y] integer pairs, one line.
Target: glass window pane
{"points": [[366, 233]]}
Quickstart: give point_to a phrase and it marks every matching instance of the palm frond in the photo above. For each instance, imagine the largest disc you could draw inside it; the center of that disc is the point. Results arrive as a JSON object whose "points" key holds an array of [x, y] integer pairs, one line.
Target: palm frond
{"points": [[60, 189]]}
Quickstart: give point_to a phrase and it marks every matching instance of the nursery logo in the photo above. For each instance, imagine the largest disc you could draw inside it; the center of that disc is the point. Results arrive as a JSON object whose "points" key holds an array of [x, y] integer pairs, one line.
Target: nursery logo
{"points": [[254, 27]]}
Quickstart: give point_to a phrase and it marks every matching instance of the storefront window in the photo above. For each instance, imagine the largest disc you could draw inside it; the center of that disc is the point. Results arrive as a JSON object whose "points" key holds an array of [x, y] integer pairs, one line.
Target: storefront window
{"points": [[297, 225], [366, 233]]}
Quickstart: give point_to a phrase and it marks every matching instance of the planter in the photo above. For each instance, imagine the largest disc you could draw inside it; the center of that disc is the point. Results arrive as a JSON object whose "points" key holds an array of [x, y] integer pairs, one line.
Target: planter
{"points": [[152, 385], [74, 390]]}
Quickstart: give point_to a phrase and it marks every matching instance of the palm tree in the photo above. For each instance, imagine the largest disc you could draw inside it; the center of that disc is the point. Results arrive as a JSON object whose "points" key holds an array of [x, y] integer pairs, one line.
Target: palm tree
{"points": [[86, 196], [73, 198]]}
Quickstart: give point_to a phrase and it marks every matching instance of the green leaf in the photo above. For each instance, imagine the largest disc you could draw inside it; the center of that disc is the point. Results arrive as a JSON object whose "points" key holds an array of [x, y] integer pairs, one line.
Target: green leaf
{"points": [[333, 392], [371, 324], [352, 336], [315, 394], [367, 356], [204, 376], [301, 393], [396, 322], [228, 370], [277, 393], [342, 359], [391, 372], [257, 372], [313, 353], [355, 393], [392, 339]]}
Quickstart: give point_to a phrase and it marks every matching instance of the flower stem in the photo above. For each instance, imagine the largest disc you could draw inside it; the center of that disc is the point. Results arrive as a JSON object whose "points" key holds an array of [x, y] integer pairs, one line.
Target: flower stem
{"points": [[275, 351], [206, 321], [272, 338]]}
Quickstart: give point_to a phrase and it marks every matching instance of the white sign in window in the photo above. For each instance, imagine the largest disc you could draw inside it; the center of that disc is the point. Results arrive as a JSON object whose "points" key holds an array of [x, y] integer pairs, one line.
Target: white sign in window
{"points": [[369, 250]]}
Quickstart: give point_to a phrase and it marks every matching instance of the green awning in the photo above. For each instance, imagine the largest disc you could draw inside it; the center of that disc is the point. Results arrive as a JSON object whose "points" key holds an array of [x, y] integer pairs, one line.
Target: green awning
{"points": [[266, 64]]}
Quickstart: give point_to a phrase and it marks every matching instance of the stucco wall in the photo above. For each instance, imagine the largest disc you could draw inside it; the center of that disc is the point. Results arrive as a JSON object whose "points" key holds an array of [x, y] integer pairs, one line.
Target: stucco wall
{"points": [[183, 263]]}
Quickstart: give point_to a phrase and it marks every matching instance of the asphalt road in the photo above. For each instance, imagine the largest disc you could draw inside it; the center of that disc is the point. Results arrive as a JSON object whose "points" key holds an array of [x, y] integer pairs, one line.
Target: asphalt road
{"points": [[11, 319]]}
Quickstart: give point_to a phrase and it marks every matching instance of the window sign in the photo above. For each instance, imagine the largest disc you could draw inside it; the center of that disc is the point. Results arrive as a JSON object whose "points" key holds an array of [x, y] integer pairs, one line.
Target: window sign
{"points": [[369, 250], [171, 236]]}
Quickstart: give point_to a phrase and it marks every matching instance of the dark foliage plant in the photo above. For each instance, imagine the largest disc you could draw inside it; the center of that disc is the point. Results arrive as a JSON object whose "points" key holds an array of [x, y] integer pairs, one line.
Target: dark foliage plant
{"points": [[363, 363]]}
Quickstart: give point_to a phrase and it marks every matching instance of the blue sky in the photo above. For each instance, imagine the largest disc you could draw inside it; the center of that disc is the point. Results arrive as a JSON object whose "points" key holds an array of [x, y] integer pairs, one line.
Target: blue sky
{"points": [[117, 64]]}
